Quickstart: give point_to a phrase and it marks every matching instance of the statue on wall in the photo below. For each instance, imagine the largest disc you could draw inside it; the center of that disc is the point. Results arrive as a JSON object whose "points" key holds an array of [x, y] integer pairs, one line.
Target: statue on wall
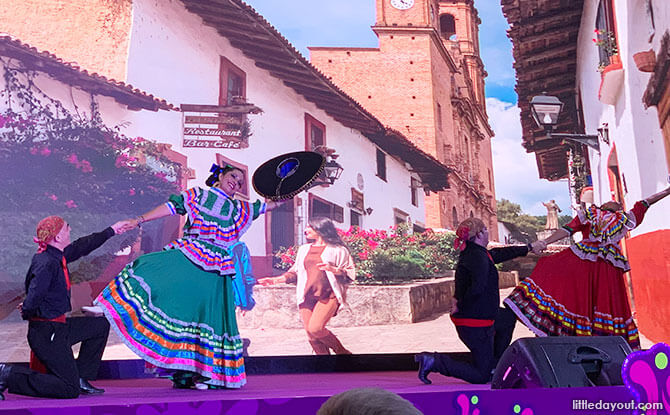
{"points": [[552, 214]]}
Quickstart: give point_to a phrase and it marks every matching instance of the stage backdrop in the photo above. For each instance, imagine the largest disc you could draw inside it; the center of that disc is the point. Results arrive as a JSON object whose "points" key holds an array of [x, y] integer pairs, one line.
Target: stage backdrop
{"points": [[57, 162]]}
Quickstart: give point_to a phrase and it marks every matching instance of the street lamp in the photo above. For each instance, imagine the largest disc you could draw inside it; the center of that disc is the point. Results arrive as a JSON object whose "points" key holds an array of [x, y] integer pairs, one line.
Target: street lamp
{"points": [[331, 170], [545, 110]]}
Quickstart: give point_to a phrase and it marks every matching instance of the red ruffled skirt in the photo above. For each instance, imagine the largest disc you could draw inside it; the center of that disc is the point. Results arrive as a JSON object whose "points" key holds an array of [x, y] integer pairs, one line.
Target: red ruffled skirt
{"points": [[569, 296]]}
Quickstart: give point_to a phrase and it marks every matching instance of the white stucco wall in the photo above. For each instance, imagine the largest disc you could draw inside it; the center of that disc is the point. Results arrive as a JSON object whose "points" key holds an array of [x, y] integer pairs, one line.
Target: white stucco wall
{"points": [[504, 234], [633, 130], [175, 56]]}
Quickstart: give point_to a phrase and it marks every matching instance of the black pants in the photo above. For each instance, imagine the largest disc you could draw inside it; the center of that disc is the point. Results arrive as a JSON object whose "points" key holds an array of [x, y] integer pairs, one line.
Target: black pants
{"points": [[52, 344], [487, 344]]}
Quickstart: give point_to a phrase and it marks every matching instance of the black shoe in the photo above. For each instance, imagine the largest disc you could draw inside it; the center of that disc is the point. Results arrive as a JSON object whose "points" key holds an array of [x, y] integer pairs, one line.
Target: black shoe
{"points": [[88, 389], [183, 380], [5, 369], [426, 362]]}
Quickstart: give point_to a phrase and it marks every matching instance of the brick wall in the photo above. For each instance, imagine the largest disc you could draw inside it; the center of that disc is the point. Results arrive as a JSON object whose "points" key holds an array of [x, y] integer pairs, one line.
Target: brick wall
{"points": [[393, 82], [408, 84], [401, 83], [62, 27]]}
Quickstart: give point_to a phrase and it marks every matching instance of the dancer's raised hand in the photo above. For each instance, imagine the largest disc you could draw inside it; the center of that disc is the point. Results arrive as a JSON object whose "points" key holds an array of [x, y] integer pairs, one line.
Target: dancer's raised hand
{"points": [[123, 226], [271, 280], [658, 196]]}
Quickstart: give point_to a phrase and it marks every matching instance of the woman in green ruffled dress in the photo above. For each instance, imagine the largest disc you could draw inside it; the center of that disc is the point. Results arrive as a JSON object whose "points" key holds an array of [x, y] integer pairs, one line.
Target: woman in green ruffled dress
{"points": [[175, 308]]}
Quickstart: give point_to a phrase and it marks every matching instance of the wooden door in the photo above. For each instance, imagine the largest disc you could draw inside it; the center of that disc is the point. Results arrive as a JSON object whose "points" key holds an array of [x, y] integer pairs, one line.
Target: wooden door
{"points": [[282, 227]]}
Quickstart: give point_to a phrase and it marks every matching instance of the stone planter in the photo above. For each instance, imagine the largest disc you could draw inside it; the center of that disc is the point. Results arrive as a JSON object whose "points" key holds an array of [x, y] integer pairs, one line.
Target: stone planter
{"points": [[369, 305]]}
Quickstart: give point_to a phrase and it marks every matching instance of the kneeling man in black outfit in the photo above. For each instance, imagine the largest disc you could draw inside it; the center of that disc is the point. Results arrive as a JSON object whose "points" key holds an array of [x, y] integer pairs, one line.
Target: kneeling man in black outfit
{"points": [[484, 327], [50, 333]]}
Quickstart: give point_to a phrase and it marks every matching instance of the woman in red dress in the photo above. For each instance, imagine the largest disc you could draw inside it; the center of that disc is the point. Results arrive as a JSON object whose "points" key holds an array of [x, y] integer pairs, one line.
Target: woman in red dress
{"points": [[580, 291]]}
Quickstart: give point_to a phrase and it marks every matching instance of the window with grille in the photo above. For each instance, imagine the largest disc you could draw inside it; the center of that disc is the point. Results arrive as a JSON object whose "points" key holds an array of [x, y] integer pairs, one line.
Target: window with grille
{"points": [[381, 165], [321, 208], [415, 185], [232, 82], [315, 133], [605, 33]]}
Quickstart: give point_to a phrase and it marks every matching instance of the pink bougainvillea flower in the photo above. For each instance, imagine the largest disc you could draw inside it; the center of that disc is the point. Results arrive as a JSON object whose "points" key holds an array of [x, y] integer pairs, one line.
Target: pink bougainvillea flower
{"points": [[85, 166], [53, 197], [45, 152], [127, 146], [34, 150], [72, 159], [121, 161], [131, 192], [70, 204]]}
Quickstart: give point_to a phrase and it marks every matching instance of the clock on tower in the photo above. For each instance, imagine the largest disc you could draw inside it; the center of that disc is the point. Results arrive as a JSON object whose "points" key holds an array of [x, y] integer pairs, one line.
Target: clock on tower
{"points": [[402, 4]]}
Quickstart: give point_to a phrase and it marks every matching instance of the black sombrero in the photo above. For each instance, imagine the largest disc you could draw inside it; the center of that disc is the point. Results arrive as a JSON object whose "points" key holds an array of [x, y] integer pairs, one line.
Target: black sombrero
{"points": [[287, 175]]}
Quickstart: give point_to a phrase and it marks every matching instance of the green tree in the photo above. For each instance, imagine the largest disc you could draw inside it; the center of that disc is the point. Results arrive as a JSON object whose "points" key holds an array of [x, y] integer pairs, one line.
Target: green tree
{"points": [[508, 211], [511, 212]]}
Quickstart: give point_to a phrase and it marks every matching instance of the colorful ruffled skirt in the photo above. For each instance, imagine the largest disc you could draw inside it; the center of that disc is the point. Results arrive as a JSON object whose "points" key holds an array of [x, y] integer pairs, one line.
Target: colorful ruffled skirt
{"points": [[177, 316], [569, 296]]}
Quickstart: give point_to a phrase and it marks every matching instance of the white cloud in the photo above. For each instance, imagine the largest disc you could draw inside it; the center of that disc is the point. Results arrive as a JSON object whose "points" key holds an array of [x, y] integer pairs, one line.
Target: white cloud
{"points": [[515, 171]]}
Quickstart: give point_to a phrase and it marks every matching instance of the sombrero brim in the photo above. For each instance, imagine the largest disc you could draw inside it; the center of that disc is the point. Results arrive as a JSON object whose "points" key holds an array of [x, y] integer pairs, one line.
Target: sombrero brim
{"points": [[286, 175]]}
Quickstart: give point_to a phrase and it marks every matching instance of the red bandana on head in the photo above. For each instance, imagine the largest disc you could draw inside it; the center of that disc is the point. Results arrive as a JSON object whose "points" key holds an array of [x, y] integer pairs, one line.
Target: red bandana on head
{"points": [[462, 235], [47, 229]]}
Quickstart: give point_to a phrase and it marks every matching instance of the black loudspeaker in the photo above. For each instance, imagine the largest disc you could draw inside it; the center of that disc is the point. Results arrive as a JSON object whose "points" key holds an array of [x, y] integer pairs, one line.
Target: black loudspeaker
{"points": [[559, 362]]}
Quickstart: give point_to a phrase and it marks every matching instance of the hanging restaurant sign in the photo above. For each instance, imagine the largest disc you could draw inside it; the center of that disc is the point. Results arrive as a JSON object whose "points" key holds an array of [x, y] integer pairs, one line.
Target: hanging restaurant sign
{"points": [[217, 126]]}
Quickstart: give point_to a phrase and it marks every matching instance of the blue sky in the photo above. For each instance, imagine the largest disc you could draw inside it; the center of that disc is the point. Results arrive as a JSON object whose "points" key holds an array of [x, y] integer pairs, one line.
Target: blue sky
{"points": [[347, 23]]}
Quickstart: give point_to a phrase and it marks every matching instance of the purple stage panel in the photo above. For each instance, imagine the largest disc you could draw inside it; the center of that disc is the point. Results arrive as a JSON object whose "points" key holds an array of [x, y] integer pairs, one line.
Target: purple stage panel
{"points": [[304, 394]]}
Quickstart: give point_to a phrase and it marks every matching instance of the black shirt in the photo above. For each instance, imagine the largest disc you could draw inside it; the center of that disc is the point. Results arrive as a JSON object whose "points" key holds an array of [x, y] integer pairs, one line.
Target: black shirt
{"points": [[476, 280], [47, 295]]}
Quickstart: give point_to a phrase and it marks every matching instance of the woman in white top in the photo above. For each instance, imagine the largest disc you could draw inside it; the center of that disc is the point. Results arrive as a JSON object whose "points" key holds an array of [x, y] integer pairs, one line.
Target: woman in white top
{"points": [[322, 271]]}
